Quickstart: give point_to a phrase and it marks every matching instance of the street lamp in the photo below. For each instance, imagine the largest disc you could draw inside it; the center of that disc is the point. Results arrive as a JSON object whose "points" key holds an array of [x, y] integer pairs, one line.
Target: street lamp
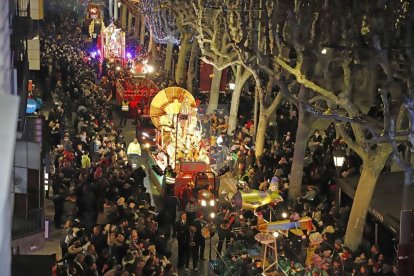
{"points": [[339, 158]]}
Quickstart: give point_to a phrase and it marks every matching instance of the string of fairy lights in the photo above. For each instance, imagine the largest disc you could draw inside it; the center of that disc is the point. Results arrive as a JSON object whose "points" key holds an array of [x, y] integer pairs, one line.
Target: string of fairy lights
{"points": [[161, 21]]}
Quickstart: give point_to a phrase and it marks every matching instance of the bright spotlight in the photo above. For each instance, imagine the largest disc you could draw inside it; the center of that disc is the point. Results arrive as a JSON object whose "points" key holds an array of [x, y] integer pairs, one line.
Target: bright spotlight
{"points": [[212, 215], [275, 234], [118, 68], [147, 146], [284, 215], [203, 203], [324, 51], [150, 68], [212, 202]]}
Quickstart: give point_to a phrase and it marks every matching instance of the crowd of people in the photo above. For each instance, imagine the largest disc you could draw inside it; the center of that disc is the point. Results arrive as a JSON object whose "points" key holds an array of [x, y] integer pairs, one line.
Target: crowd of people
{"points": [[111, 227], [300, 255], [107, 218]]}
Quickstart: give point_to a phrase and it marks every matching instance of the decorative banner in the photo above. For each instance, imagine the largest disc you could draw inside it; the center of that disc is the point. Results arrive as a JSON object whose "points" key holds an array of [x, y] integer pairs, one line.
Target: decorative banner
{"points": [[31, 106]]}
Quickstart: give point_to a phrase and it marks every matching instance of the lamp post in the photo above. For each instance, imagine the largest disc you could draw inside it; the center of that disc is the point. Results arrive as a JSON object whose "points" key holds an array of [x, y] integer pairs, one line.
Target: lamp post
{"points": [[339, 159]]}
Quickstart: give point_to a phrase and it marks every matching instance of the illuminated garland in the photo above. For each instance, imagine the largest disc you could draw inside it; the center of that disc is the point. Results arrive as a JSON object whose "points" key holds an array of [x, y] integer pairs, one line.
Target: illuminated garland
{"points": [[161, 21]]}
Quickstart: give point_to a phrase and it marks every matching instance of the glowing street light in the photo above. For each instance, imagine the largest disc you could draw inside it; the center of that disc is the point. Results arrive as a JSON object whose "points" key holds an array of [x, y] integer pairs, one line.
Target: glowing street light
{"points": [[339, 158], [150, 69]]}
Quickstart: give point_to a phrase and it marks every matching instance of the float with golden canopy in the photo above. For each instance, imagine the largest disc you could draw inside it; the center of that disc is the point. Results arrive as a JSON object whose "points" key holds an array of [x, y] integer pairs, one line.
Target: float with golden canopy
{"points": [[173, 111]]}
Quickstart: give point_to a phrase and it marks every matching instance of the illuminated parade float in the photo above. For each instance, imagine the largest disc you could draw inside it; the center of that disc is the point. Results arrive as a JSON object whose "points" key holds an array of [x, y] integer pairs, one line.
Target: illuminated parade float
{"points": [[174, 113], [112, 45]]}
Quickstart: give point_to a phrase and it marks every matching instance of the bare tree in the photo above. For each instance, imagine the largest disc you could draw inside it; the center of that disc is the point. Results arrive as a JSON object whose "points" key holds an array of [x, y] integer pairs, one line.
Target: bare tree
{"points": [[217, 50], [293, 45]]}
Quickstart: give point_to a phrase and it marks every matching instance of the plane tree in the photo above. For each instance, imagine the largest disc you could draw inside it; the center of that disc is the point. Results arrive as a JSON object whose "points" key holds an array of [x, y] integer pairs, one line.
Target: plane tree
{"points": [[217, 50], [339, 52]]}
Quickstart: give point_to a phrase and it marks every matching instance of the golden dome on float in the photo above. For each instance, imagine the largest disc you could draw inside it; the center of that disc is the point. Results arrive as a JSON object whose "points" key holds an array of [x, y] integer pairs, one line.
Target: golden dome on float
{"points": [[169, 101]]}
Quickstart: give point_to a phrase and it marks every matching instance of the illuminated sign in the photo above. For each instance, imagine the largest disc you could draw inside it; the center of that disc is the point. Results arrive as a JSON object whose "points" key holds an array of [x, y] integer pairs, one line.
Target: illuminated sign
{"points": [[31, 106]]}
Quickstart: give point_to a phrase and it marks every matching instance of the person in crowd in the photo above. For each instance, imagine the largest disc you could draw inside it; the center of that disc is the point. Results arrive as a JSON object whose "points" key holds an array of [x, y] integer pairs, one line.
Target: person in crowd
{"points": [[134, 151], [199, 223], [182, 231], [191, 209], [224, 223], [109, 226], [194, 246]]}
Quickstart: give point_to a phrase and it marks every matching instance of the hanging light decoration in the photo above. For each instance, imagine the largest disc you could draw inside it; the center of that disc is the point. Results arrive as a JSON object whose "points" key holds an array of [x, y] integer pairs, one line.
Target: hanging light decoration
{"points": [[161, 21]]}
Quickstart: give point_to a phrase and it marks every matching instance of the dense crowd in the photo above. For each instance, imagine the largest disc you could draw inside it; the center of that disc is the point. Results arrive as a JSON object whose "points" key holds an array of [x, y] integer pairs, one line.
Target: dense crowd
{"points": [[107, 220], [109, 226], [300, 255]]}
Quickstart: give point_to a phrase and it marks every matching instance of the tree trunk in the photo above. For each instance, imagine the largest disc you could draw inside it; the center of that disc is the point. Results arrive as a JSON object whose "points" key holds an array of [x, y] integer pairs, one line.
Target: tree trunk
{"points": [[137, 26], [111, 8], [129, 25], [142, 31], [214, 91], [303, 132], [124, 17], [182, 56], [168, 57], [234, 107], [191, 65], [116, 10], [242, 76], [373, 164], [152, 48], [261, 133]]}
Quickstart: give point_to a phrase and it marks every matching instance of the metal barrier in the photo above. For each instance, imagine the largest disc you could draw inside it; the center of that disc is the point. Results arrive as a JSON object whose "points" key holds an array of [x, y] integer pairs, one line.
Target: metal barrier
{"points": [[28, 223]]}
